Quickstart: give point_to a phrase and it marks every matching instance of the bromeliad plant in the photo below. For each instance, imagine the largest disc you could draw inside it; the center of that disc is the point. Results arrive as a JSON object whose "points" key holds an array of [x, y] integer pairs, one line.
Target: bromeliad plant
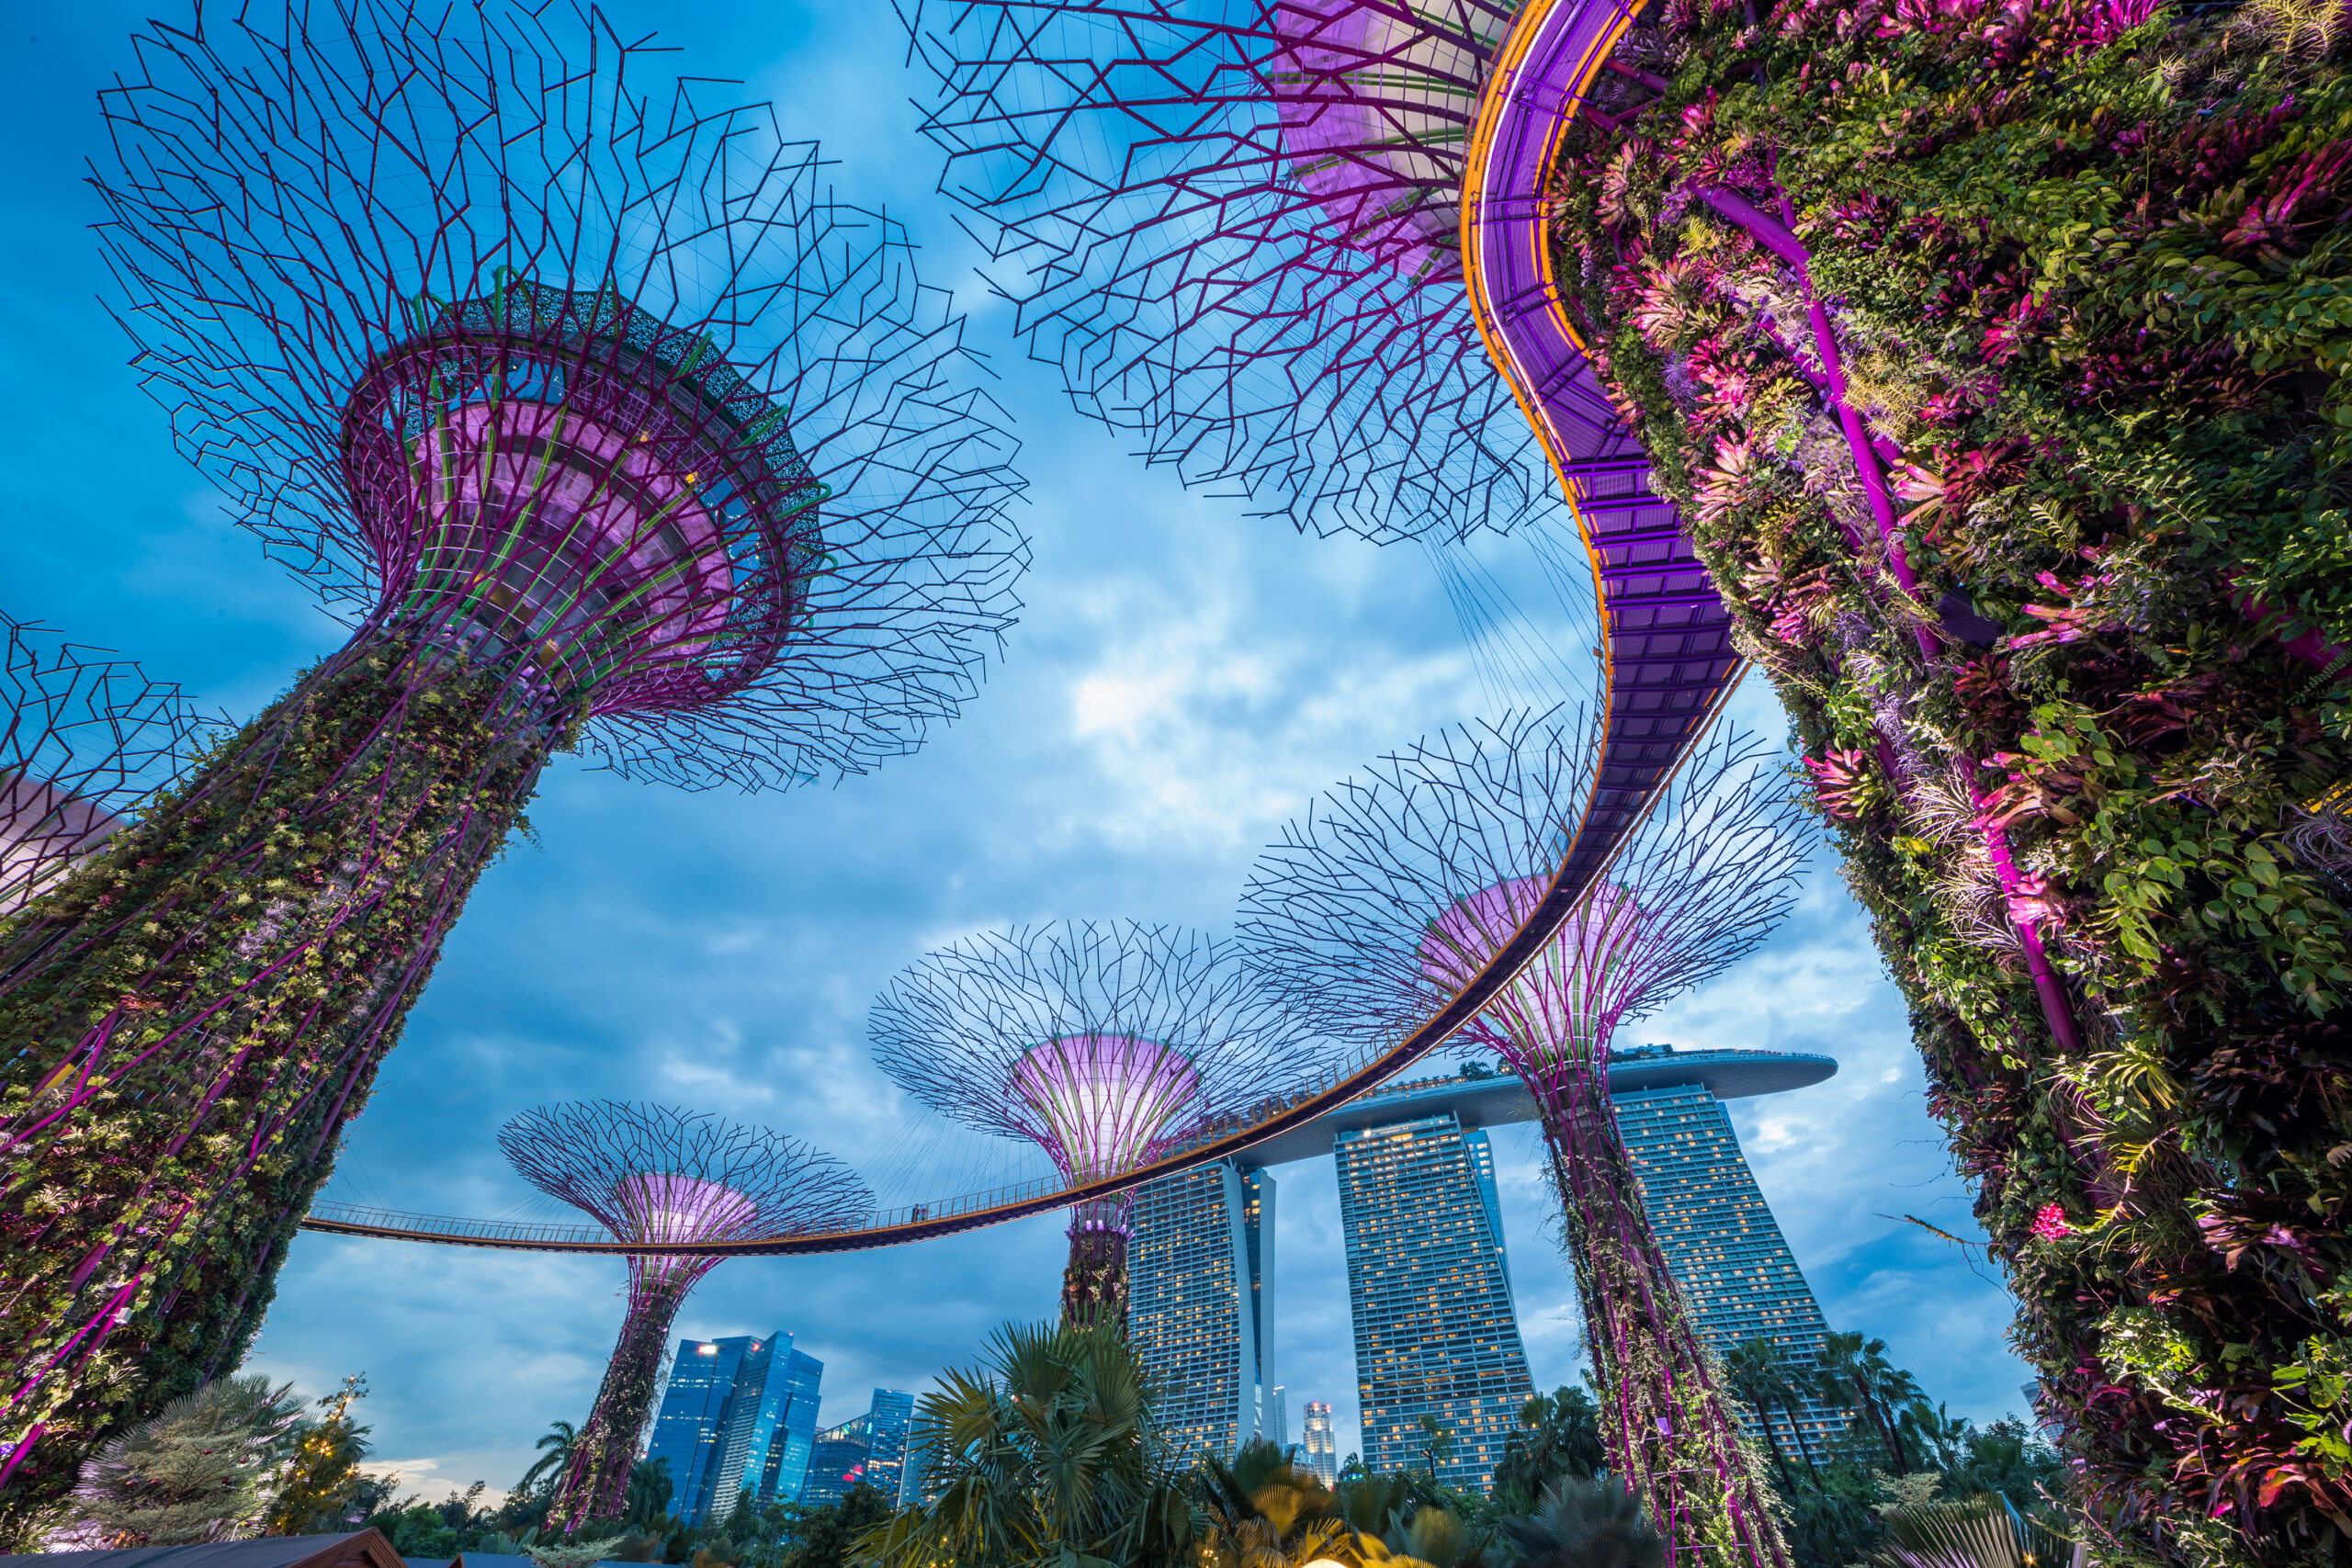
{"points": [[1996, 352]]}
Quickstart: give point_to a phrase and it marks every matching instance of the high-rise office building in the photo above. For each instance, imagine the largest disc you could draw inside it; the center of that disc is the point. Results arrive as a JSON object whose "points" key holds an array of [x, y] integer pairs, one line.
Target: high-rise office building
{"points": [[839, 1460], [1320, 1440], [869, 1450], [1720, 1239], [1441, 1372], [1277, 1423], [738, 1412], [1200, 1301], [890, 1417]]}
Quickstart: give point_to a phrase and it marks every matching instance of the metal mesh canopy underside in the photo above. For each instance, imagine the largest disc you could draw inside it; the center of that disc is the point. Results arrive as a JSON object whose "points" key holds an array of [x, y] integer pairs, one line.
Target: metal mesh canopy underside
{"points": [[1231, 223], [1099, 1042], [295, 197], [1403, 881], [85, 735], [653, 1174]]}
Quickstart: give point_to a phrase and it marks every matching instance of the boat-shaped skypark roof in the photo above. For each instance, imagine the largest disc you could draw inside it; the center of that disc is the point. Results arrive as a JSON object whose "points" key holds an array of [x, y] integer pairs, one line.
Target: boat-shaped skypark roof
{"points": [[1501, 1097]]}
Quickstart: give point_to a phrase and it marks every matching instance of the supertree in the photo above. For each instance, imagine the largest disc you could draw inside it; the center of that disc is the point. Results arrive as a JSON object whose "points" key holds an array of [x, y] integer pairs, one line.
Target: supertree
{"points": [[1233, 225], [1102, 1044], [652, 1174], [1959, 326], [85, 737], [1379, 904], [612, 430]]}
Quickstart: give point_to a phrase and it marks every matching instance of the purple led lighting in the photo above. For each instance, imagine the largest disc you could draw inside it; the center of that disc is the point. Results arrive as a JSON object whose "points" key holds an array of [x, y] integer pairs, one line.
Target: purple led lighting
{"points": [[1417, 871], [1105, 1103], [1374, 103], [1098, 1043], [1567, 1002], [566, 476]]}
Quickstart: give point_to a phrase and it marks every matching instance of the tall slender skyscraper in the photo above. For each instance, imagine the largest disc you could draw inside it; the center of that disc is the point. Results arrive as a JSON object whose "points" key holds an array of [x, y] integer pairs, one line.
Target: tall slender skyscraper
{"points": [[892, 1413], [1201, 1301], [1441, 1372], [1277, 1423], [738, 1413], [1321, 1441], [1718, 1235]]}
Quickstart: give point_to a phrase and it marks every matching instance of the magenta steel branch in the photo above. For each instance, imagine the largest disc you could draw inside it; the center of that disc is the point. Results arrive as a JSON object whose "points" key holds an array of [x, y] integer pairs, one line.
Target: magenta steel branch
{"points": [[650, 1173], [613, 431], [1102, 1044], [84, 737], [1407, 877]]}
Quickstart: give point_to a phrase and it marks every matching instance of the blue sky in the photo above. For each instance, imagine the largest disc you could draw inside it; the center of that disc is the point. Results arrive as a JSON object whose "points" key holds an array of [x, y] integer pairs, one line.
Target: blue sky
{"points": [[1184, 678]]}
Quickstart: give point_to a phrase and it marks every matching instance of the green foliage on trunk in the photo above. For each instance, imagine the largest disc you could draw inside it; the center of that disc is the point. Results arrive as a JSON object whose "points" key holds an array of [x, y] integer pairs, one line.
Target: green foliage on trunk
{"points": [[2088, 273]]}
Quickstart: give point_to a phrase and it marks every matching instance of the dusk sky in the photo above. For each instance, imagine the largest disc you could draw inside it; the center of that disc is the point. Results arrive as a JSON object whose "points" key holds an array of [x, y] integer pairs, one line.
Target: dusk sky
{"points": [[1184, 678]]}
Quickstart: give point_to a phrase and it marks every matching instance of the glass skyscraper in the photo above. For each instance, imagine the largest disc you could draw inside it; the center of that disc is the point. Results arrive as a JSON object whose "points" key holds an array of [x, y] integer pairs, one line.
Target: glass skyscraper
{"points": [[1201, 1301], [1720, 1239], [1436, 1334], [869, 1448], [738, 1413]]}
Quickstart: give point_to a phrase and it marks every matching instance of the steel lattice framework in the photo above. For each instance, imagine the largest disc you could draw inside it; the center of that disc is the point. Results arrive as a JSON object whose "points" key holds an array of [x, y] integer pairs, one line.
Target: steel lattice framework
{"points": [[651, 1174], [1104, 1044], [1233, 224], [84, 737], [1403, 882], [612, 429]]}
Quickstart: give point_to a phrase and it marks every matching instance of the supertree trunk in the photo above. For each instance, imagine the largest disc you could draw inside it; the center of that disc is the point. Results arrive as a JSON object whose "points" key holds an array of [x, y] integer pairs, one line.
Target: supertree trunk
{"points": [[201, 1009], [1669, 1429], [596, 1482], [1094, 1282]]}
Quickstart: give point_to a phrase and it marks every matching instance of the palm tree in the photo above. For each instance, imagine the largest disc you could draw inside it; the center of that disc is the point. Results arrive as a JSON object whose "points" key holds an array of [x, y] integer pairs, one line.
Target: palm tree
{"points": [[1436, 1441], [1942, 1436], [1046, 1451], [1757, 1379], [1559, 1440], [1262, 1509], [1586, 1524], [556, 1446], [1855, 1373], [1983, 1532]]}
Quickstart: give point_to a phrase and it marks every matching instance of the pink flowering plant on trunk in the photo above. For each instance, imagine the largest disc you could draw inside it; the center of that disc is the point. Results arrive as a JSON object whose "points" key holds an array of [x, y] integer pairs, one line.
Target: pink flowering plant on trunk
{"points": [[1996, 352]]}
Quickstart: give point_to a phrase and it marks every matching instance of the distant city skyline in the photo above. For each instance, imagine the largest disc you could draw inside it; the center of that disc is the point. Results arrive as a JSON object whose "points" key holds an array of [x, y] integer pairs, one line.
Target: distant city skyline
{"points": [[869, 1448], [737, 1413]]}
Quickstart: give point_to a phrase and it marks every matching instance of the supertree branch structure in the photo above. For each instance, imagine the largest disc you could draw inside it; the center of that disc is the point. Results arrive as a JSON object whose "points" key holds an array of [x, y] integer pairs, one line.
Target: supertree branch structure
{"points": [[1233, 225], [649, 1173], [84, 737], [612, 430], [1102, 1044], [1402, 881]]}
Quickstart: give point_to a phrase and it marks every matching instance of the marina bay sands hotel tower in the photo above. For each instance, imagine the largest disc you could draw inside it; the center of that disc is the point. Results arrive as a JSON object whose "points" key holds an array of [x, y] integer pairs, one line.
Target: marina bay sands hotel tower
{"points": [[1436, 1327]]}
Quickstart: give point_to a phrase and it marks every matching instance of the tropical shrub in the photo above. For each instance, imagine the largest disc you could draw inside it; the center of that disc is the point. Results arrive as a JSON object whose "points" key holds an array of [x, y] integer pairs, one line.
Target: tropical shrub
{"points": [[1048, 1448], [1995, 350], [202, 1469]]}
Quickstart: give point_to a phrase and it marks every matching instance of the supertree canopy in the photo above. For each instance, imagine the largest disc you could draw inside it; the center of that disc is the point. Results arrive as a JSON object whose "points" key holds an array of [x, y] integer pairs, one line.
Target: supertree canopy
{"points": [[651, 1174], [612, 430], [1380, 903], [1104, 1045], [85, 737], [2000, 352], [1233, 225]]}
